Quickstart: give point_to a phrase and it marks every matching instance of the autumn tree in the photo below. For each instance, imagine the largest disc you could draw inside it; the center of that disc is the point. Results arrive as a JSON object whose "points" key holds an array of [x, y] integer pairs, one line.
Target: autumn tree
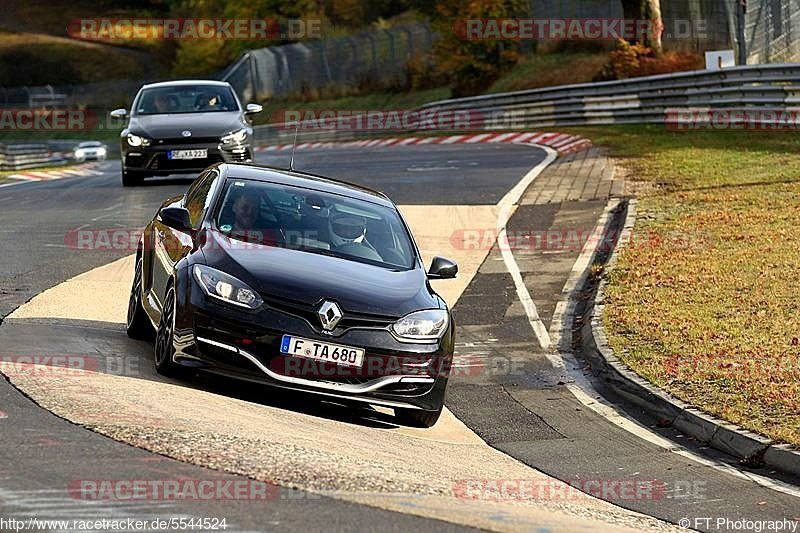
{"points": [[646, 10], [471, 64]]}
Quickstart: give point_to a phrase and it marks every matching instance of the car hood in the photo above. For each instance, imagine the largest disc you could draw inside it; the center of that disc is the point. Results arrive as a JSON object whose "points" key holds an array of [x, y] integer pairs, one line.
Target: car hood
{"points": [[307, 278], [200, 124]]}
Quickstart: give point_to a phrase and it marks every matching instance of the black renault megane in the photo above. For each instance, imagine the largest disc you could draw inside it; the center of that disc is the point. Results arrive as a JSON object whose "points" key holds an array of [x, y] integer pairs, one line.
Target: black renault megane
{"points": [[184, 126], [296, 281]]}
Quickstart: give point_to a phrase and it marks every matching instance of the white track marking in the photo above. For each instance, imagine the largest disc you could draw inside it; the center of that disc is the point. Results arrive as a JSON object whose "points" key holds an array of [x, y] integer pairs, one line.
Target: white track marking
{"points": [[503, 137], [478, 138], [508, 205], [562, 359]]}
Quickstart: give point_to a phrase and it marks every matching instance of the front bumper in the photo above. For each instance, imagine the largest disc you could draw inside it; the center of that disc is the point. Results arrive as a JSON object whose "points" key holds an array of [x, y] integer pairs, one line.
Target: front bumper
{"points": [[154, 160], [246, 345]]}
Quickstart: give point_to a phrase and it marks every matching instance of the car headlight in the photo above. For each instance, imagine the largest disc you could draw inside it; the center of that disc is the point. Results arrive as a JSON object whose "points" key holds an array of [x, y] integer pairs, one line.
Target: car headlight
{"points": [[136, 140], [225, 287], [235, 137], [79, 153], [101, 151], [422, 325]]}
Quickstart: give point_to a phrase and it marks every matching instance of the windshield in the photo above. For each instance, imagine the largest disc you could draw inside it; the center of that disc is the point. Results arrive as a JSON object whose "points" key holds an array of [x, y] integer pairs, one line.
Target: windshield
{"points": [[186, 99], [314, 222]]}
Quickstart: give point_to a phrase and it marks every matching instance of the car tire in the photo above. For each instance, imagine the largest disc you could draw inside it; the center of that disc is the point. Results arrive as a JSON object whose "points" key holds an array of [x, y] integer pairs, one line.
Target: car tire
{"points": [[417, 417], [132, 178], [138, 323], [164, 347]]}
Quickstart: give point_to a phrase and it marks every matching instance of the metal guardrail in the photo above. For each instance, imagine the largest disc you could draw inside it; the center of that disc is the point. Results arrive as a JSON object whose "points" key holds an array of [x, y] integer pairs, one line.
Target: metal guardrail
{"points": [[768, 90], [652, 99], [22, 156]]}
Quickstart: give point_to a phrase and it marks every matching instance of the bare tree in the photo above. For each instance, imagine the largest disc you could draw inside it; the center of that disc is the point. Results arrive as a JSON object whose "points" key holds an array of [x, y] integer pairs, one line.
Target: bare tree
{"points": [[646, 10]]}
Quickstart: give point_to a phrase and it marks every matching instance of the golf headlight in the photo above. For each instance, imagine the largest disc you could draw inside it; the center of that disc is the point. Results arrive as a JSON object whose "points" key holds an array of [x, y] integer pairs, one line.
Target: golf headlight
{"points": [[225, 287], [235, 137], [101, 151], [136, 140], [79, 153], [422, 325]]}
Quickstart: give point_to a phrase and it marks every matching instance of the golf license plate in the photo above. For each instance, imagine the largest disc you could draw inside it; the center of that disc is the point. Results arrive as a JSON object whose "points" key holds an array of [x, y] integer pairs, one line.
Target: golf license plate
{"points": [[188, 154], [322, 351]]}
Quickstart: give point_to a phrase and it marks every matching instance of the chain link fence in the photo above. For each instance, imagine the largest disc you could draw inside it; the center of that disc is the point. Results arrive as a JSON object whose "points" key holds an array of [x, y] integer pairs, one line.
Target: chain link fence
{"points": [[772, 31], [370, 57], [768, 30]]}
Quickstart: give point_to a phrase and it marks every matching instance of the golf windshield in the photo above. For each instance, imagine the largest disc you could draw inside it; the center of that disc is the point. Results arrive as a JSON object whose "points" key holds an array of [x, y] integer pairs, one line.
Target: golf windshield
{"points": [[186, 99]]}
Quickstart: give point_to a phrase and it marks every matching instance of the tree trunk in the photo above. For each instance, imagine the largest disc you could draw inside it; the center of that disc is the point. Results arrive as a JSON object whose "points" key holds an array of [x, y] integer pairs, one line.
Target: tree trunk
{"points": [[646, 10]]}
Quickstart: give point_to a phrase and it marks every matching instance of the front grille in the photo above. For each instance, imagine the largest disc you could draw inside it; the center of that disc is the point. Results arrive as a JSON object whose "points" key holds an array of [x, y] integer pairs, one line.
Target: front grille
{"points": [[348, 321], [187, 140]]}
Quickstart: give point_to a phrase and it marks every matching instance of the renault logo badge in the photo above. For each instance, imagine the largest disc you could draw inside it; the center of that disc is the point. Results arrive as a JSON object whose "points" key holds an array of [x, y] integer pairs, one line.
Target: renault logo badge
{"points": [[329, 315]]}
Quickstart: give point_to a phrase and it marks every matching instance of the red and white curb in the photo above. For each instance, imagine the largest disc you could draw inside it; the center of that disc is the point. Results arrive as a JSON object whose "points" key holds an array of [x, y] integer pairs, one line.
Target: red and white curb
{"points": [[561, 142], [88, 169]]}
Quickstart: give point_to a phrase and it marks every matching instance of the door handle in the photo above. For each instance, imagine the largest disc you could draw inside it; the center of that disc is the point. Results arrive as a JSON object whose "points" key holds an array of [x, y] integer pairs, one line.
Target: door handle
{"points": [[160, 234]]}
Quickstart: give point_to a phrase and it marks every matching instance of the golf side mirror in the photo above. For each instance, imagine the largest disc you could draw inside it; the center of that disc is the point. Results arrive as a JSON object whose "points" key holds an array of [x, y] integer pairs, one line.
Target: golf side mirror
{"points": [[252, 109], [119, 113]]}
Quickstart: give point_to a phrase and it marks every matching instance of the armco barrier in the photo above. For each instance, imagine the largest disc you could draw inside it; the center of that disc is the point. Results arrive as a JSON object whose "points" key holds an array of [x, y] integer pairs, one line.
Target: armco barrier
{"points": [[22, 156], [652, 99]]}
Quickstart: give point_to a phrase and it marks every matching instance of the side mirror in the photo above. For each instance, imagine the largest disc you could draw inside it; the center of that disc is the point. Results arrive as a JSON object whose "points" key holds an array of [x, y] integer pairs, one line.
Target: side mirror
{"points": [[442, 268], [252, 109], [175, 218], [119, 113]]}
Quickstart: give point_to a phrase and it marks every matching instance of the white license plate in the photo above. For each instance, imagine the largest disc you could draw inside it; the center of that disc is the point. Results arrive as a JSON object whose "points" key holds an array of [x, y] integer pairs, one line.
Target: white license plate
{"points": [[322, 351], [188, 154]]}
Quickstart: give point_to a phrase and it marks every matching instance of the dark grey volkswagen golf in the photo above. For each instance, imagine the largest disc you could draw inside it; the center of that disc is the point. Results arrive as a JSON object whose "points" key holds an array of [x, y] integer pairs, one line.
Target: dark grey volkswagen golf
{"points": [[184, 126], [297, 281]]}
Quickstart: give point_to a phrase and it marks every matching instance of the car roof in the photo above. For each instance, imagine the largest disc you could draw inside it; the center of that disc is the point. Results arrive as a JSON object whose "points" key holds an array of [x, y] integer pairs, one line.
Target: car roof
{"points": [[303, 179], [178, 83]]}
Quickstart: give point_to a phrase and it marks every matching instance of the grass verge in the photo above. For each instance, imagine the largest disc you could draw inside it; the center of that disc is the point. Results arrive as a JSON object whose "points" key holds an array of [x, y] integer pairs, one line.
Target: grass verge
{"points": [[274, 110], [549, 70], [703, 303]]}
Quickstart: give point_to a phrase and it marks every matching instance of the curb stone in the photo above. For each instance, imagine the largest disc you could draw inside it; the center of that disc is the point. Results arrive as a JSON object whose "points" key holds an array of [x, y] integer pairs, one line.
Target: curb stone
{"points": [[563, 143], [748, 447]]}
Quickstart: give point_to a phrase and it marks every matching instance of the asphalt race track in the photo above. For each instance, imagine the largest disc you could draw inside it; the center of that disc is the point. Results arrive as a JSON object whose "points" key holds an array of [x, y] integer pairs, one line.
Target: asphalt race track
{"points": [[382, 477]]}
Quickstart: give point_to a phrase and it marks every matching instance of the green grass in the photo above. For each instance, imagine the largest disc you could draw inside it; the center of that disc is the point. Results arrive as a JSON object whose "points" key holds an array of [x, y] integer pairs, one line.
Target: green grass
{"points": [[547, 70], [704, 301], [274, 109], [35, 59], [532, 72]]}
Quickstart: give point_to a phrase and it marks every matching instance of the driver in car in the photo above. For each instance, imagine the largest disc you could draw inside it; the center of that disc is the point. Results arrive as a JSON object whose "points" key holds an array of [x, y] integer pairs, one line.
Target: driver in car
{"points": [[349, 236], [248, 225], [161, 103]]}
